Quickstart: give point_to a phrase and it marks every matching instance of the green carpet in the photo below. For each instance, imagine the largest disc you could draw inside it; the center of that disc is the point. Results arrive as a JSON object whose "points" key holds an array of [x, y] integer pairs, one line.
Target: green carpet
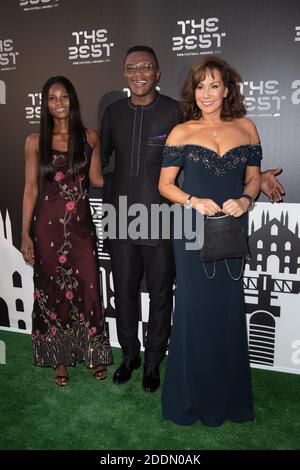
{"points": [[86, 414]]}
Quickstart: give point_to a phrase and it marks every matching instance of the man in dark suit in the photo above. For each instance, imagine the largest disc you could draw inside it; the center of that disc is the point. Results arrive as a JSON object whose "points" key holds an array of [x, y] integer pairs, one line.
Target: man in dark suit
{"points": [[136, 129]]}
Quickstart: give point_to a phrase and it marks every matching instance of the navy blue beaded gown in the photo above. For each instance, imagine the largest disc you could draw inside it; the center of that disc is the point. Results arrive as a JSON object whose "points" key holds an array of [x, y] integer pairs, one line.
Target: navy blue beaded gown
{"points": [[208, 374]]}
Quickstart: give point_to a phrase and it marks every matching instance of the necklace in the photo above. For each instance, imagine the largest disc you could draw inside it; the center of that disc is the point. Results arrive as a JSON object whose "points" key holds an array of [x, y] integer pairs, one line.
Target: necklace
{"points": [[215, 133]]}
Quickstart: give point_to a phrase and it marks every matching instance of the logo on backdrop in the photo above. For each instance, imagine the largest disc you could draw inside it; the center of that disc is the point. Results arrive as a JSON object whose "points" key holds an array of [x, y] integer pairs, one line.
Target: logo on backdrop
{"points": [[8, 56], [196, 37], [30, 5], [297, 33], [263, 98], [2, 92], [295, 96], [90, 47], [33, 111]]}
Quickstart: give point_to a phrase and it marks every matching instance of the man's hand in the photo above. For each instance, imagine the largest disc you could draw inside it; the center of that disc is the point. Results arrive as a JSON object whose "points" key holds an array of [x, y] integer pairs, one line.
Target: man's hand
{"points": [[271, 186]]}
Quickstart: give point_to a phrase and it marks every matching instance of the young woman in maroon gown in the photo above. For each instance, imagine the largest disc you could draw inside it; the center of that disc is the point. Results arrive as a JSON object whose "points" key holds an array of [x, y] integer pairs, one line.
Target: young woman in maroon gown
{"points": [[59, 239]]}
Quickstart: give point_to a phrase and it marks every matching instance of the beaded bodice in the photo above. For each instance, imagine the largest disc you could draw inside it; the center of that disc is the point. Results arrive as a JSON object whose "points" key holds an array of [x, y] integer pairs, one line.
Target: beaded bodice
{"points": [[245, 154]]}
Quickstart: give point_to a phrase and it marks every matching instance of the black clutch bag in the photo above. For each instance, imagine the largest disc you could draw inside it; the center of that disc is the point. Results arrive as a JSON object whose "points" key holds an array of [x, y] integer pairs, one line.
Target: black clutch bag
{"points": [[223, 238]]}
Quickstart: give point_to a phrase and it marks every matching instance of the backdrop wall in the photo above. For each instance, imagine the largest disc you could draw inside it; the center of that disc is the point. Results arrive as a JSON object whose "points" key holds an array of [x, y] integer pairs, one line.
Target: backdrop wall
{"points": [[86, 40]]}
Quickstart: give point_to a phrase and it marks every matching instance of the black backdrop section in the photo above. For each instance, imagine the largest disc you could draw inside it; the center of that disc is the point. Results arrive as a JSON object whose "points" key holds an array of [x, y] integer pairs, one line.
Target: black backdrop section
{"points": [[86, 41]]}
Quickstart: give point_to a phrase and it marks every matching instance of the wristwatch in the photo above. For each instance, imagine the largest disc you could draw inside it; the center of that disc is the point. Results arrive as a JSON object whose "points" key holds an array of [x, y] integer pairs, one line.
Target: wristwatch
{"points": [[188, 203], [250, 199]]}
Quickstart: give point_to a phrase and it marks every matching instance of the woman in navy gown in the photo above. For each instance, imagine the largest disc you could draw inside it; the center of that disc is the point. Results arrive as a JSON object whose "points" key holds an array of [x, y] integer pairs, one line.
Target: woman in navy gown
{"points": [[208, 375], [59, 239]]}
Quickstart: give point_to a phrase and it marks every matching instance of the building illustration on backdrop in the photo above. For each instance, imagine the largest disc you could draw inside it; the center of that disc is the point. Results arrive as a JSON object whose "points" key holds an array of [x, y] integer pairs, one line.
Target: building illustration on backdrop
{"points": [[16, 284], [272, 272]]}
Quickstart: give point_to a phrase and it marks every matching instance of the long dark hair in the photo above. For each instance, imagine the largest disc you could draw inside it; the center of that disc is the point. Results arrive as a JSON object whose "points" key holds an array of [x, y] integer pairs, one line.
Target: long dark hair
{"points": [[233, 104], [77, 135]]}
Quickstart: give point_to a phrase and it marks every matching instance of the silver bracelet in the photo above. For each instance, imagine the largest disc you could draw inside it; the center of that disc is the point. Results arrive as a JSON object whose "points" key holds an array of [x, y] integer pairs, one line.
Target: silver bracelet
{"points": [[188, 203]]}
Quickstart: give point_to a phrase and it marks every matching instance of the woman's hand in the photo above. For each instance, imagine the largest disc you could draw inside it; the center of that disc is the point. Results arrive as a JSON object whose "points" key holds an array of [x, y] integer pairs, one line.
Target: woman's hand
{"points": [[27, 249], [236, 207], [205, 206]]}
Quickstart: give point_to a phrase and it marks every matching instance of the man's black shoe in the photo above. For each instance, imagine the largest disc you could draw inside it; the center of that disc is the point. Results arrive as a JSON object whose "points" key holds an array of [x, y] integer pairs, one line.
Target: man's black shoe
{"points": [[151, 379], [123, 373]]}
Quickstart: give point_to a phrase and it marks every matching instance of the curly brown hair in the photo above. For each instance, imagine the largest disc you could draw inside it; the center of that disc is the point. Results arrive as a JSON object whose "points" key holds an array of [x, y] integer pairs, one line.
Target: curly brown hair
{"points": [[233, 104]]}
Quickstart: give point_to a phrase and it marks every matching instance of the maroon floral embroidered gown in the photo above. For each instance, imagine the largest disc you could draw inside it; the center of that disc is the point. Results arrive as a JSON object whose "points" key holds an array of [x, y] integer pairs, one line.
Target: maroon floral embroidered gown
{"points": [[68, 317]]}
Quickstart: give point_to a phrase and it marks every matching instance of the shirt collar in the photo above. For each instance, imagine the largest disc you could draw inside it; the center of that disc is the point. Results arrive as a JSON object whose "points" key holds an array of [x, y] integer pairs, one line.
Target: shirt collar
{"points": [[147, 106]]}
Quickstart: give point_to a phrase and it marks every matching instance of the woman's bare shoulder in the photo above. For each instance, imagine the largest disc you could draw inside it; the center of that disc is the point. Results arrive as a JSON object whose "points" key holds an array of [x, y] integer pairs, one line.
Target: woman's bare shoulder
{"points": [[178, 135], [33, 138], [249, 126], [32, 141]]}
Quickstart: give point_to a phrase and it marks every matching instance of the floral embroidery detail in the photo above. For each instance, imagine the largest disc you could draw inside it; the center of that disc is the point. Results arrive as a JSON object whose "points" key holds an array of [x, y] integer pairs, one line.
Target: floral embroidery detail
{"points": [[61, 156], [53, 330], [71, 330], [59, 176], [36, 294], [69, 295], [48, 316], [65, 278], [92, 331], [62, 259], [70, 206]]}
